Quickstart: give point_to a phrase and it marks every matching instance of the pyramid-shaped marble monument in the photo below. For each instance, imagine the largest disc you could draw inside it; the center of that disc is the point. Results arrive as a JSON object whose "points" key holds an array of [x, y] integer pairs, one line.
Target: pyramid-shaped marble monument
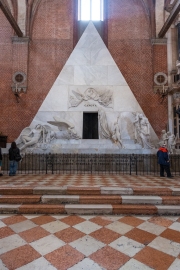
{"points": [[90, 82]]}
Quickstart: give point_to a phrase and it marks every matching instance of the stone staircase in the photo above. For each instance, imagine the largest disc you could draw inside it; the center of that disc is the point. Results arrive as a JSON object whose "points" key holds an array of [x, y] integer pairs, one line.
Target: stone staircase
{"points": [[90, 200]]}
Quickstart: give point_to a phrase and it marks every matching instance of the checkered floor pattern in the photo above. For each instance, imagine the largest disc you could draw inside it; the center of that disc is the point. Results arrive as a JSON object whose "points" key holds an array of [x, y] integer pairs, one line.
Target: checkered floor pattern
{"points": [[88, 180], [52, 242]]}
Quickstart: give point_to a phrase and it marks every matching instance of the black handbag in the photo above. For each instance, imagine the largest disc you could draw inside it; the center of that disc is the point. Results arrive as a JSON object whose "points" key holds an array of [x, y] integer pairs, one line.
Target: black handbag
{"points": [[18, 157]]}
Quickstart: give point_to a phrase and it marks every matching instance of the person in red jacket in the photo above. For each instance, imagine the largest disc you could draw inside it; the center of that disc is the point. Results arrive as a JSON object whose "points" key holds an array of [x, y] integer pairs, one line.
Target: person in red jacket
{"points": [[163, 161]]}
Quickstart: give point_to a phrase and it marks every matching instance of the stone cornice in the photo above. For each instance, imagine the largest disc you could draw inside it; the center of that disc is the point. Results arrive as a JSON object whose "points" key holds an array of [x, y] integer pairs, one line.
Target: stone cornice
{"points": [[159, 41], [16, 39]]}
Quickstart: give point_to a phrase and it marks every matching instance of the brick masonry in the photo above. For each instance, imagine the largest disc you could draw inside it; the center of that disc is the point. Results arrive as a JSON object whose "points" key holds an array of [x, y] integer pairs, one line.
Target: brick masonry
{"points": [[129, 42]]}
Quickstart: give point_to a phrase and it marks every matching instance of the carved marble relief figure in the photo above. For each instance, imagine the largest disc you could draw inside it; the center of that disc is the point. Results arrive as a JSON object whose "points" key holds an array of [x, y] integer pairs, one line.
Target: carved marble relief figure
{"points": [[142, 131], [116, 136], [30, 137]]}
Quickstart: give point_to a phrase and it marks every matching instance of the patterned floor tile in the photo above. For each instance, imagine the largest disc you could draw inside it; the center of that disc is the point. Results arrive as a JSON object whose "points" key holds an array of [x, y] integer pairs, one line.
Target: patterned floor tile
{"points": [[151, 228], [105, 235], [166, 246], [33, 234], [154, 258], [175, 265], [86, 264], [40, 220], [133, 221], [87, 245], [22, 226], [2, 224], [38, 264], [171, 235], [87, 227], [6, 231], [11, 242], [55, 226], [119, 227], [19, 256], [13, 219], [72, 220], [64, 257], [102, 221], [140, 236], [134, 265], [127, 246], [109, 258], [2, 266], [69, 235], [161, 221], [47, 244], [175, 226]]}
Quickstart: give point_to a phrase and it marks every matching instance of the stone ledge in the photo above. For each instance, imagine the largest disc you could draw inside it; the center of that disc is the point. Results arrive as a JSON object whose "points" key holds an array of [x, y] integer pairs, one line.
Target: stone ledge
{"points": [[22, 40], [89, 209], [168, 209], [141, 200], [116, 191], [134, 209], [159, 41], [50, 190], [60, 199]]}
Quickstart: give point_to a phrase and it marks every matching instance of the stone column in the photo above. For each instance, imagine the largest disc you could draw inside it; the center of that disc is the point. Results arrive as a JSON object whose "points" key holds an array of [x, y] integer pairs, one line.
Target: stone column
{"points": [[178, 40]]}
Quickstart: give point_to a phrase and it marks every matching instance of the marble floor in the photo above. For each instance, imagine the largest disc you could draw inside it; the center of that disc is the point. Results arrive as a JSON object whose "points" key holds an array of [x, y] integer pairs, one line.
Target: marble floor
{"points": [[49, 242], [57, 180]]}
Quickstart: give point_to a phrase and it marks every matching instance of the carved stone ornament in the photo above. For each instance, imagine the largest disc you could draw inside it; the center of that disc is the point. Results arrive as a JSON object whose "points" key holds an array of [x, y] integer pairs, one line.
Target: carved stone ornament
{"points": [[160, 78], [104, 98]]}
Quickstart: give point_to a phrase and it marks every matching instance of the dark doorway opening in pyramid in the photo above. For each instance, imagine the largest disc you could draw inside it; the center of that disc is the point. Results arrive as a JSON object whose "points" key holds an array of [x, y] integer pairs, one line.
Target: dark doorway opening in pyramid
{"points": [[90, 126]]}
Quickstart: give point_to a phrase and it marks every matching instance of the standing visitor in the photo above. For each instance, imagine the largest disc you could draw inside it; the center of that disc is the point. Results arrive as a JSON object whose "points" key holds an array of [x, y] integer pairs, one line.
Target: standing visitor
{"points": [[14, 158], [163, 161], [0, 162]]}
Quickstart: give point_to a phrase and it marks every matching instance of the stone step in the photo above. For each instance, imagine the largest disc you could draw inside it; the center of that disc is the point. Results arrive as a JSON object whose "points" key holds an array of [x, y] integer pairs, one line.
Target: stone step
{"points": [[86, 209], [110, 199], [75, 190], [19, 199], [90, 199]]}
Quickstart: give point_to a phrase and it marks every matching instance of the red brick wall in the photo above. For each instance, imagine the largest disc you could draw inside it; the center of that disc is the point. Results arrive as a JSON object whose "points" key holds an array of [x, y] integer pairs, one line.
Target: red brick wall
{"points": [[6, 96], [129, 41]]}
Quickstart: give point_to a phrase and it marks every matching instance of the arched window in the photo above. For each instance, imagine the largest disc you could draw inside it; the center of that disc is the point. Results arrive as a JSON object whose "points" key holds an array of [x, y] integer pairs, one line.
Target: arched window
{"points": [[90, 10]]}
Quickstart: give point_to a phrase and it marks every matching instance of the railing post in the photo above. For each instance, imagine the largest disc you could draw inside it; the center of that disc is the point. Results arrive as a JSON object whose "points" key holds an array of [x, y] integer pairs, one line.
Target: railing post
{"points": [[130, 164]]}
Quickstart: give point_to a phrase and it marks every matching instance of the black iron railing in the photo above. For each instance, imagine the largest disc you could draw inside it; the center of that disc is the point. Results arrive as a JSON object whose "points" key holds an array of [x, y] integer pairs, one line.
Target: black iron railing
{"points": [[91, 164]]}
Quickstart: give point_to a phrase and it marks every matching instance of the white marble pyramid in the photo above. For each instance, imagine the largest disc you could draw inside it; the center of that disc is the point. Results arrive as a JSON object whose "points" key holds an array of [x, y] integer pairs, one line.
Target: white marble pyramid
{"points": [[90, 81]]}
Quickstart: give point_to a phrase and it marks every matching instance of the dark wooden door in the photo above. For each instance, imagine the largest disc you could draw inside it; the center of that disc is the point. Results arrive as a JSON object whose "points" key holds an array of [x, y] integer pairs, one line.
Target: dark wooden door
{"points": [[90, 126]]}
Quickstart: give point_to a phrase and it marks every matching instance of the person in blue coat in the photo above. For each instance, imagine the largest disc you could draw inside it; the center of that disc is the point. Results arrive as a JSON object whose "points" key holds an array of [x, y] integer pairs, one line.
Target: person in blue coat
{"points": [[163, 161]]}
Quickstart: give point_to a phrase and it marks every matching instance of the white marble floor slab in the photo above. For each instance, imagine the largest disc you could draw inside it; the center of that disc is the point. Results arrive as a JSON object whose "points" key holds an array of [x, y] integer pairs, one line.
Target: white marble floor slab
{"points": [[11, 242], [127, 246], [2, 266], [175, 265], [39, 264], [23, 226], [175, 226], [119, 227], [87, 227], [47, 244], [2, 224], [133, 264], [165, 245], [55, 226], [152, 228], [87, 245], [86, 264]]}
